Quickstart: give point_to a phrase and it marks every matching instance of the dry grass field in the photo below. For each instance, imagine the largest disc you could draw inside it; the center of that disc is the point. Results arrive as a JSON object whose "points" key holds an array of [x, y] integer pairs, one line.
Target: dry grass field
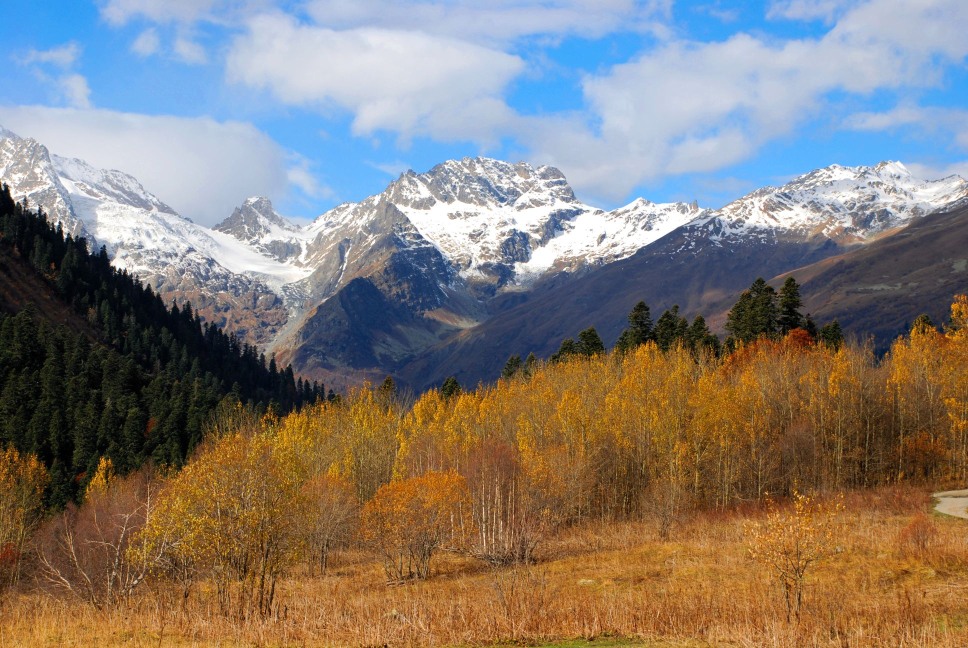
{"points": [[898, 575]]}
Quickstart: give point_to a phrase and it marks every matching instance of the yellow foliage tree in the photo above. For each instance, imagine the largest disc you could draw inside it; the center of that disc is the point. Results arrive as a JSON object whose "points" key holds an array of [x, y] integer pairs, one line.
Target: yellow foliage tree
{"points": [[791, 543], [332, 515], [955, 389], [408, 520], [236, 513], [22, 482]]}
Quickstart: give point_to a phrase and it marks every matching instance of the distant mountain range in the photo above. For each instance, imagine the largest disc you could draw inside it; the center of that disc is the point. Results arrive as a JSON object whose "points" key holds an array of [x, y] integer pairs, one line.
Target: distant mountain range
{"points": [[449, 272]]}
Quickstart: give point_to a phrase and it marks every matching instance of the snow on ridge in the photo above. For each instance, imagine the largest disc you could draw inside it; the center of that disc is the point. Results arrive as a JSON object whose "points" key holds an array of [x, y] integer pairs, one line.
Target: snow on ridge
{"points": [[106, 185], [839, 201], [479, 213]]}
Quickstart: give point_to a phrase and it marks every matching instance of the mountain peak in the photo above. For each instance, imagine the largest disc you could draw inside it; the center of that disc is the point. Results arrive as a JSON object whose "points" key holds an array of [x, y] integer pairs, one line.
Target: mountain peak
{"points": [[893, 168], [845, 204], [482, 182], [257, 224], [253, 220]]}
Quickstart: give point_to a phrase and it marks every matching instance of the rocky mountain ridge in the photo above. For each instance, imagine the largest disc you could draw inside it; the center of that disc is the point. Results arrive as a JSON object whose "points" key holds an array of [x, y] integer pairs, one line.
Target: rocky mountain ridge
{"points": [[369, 287]]}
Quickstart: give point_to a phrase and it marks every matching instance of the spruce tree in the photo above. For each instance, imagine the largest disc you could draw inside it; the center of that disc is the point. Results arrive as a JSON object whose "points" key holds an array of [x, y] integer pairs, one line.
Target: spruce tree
{"points": [[754, 314], [700, 337], [567, 348], [639, 330], [530, 363], [671, 328], [511, 367], [450, 387], [789, 307], [831, 335], [589, 342]]}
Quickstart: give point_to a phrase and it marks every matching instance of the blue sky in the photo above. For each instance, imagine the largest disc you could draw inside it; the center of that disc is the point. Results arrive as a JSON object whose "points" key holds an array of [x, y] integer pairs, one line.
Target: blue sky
{"points": [[317, 102]]}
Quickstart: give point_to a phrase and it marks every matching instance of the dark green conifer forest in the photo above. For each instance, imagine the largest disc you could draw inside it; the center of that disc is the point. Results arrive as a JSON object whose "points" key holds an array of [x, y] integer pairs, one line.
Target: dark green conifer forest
{"points": [[139, 384]]}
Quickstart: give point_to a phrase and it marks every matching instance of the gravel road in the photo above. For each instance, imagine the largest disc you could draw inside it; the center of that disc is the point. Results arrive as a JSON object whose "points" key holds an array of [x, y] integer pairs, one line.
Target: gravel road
{"points": [[952, 503]]}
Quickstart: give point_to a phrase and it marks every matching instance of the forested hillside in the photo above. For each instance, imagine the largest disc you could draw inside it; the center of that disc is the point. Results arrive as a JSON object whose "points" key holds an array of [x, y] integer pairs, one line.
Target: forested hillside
{"points": [[93, 363]]}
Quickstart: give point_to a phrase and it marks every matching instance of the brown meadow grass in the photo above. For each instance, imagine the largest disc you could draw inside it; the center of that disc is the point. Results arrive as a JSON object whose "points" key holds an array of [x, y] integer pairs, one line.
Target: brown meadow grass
{"points": [[898, 577]]}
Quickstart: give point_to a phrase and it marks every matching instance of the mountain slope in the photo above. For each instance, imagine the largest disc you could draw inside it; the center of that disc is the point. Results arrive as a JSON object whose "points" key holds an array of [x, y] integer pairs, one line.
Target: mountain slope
{"points": [[879, 289], [229, 283], [452, 270], [94, 364]]}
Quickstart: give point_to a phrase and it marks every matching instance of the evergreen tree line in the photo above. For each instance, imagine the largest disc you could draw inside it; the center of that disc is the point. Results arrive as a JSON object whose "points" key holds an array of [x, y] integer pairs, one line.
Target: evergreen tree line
{"points": [[144, 390], [760, 312]]}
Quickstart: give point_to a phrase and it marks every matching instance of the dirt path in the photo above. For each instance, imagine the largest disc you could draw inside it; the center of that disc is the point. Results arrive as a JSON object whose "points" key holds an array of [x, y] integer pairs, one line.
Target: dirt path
{"points": [[952, 503]]}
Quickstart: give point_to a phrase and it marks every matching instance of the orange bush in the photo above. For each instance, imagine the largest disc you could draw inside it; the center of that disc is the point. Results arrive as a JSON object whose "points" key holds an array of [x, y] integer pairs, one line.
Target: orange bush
{"points": [[408, 520]]}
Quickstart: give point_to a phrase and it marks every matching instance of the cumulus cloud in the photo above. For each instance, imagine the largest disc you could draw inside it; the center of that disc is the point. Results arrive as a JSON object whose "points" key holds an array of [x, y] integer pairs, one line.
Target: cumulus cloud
{"points": [[74, 89], [147, 43], [692, 107], [188, 51], [445, 69], [928, 171], [63, 56], [403, 81], [951, 121], [201, 167], [121, 12], [300, 175], [825, 10], [498, 21], [53, 67]]}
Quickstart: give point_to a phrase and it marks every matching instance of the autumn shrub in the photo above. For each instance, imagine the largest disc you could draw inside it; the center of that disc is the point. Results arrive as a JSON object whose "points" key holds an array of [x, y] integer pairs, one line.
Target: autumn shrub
{"points": [[88, 551], [918, 535], [235, 513], [791, 543], [22, 482], [332, 516], [410, 519]]}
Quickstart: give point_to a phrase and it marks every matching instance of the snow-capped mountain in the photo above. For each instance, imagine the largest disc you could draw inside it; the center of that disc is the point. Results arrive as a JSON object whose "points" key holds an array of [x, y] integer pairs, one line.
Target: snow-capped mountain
{"points": [[845, 204], [373, 285], [519, 222], [26, 166], [230, 284], [258, 225]]}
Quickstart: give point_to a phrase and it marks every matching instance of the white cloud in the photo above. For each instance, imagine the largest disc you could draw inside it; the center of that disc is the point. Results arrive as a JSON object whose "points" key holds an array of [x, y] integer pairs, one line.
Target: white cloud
{"points": [[201, 167], [63, 57], [69, 87], [694, 107], [75, 90], [147, 43], [932, 119], [497, 21], [300, 175], [121, 12], [188, 51], [825, 10], [927, 171], [407, 82], [392, 169]]}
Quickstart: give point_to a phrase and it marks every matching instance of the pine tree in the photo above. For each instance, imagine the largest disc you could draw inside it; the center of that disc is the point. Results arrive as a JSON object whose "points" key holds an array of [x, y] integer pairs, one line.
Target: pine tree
{"points": [[639, 330], [511, 367], [671, 328], [789, 307], [754, 314], [589, 342]]}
